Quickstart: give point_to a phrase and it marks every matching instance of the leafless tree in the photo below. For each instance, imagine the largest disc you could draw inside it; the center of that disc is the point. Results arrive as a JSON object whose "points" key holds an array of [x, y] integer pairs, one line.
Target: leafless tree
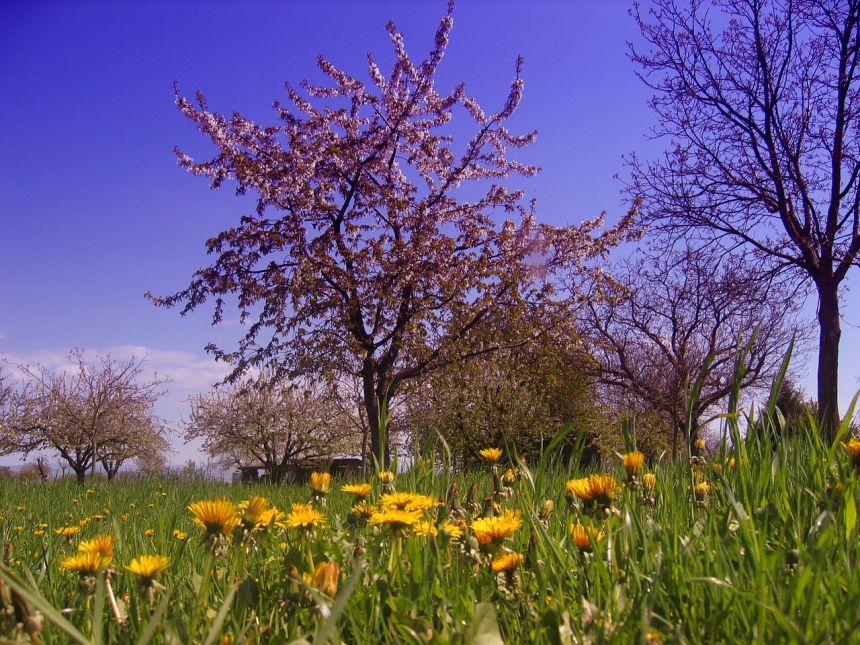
{"points": [[759, 102], [673, 313]]}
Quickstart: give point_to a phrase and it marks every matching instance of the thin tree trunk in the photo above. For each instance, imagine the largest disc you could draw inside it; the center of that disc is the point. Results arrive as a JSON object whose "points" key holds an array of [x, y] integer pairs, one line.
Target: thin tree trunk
{"points": [[828, 358]]}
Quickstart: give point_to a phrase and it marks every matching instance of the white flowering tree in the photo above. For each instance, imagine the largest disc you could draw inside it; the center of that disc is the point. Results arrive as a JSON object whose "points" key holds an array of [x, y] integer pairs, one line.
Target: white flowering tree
{"points": [[378, 244]]}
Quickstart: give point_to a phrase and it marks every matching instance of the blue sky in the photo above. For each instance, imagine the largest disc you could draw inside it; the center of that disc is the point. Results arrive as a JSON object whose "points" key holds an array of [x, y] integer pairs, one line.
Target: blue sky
{"points": [[95, 211]]}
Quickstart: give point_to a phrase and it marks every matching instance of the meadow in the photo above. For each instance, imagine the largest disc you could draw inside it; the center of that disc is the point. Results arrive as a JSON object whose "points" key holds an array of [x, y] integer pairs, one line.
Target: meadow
{"points": [[757, 541]]}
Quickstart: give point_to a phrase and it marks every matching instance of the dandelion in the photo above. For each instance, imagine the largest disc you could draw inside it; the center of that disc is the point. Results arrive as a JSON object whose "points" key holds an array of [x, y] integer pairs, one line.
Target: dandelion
{"points": [[649, 481], [386, 476], [702, 489], [179, 535], [633, 462], [594, 490], [215, 517], [149, 532], [100, 545], [653, 637], [321, 483], [68, 531], [585, 536], [510, 477], [361, 491], [306, 517], [507, 562], [361, 511], [325, 578], [699, 445], [491, 454], [407, 501], [491, 531], [852, 449], [146, 567], [86, 563], [397, 520], [252, 511], [732, 463]]}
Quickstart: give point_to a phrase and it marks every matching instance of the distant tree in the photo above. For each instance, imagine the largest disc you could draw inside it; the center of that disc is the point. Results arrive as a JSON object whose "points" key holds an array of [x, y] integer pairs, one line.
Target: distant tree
{"points": [[376, 243], [256, 423], [87, 412], [759, 101], [518, 398], [672, 313]]}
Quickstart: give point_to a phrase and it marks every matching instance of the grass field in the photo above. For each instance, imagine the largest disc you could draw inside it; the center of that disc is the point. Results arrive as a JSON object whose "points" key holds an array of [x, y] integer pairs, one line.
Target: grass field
{"points": [[759, 544]]}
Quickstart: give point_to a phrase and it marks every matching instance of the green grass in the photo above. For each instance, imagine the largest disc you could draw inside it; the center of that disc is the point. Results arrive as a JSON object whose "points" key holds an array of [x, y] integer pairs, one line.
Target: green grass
{"points": [[770, 556]]}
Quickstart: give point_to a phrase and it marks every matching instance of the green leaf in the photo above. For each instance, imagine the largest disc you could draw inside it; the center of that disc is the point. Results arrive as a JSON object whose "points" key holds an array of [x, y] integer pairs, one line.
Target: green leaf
{"points": [[483, 629]]}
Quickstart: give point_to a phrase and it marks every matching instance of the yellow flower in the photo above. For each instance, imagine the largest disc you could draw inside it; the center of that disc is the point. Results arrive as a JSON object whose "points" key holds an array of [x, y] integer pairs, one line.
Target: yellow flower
{"points": [[253, 510], [407, 502], [272, 517], [491, 454], [653, 637], [361, 491], [149, 532], [633, 462], [699, 444], [100, 545], [492, 530], [732, 463], [584, 536], [510, 477], [454, 531], [325, 578], [362, 510], [124, 517], [305, 516], [425, 528], [321, 482], [598, 489], [215, 517], [702, 489], [86, 563], [147, 567], [852, 449], [386, 476], [507, 562], [90, 491], [180, 535], [649, 481], [395, 519], [69, 531]]}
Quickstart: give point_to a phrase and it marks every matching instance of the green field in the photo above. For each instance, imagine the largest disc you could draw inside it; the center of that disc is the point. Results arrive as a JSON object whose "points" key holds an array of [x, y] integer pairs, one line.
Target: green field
{"points": [[769, 554]]}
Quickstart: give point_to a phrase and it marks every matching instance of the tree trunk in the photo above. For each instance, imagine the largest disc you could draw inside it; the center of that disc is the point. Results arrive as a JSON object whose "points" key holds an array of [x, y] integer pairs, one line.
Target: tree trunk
{"points": [[828, 358], [80, 474]]}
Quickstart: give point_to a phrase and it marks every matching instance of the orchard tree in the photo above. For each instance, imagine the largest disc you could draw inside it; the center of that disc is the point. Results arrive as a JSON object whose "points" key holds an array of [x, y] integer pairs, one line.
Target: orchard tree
{"points": [[759, 101], [86, 412], [682, 317], [376, 241], [270, 425]]}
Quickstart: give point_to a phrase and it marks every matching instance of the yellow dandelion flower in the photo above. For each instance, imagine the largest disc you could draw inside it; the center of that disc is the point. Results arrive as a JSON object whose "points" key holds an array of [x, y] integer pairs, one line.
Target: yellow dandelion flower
{"points": [[395, 519], [90, 491], [699, 444], [69, 531], [653, 637], [325, 578], [215, 517], [361, 491], [649, 481], [491, 454], [272, 517], [506, 562], [597, 489], [252, 511], [180, 535], [305, 516], [39, 532], [321, 482], [100, 545], [852, 449], [633, 462], [493, 530], [362, 510], [407, 501], [124, 517], [732, 463], [454, 531], [147, 567], [75, 501], [585, 536], [149, 532], [425, 528], [386, 476], [703, 489], [86, 563], [510, 477]]}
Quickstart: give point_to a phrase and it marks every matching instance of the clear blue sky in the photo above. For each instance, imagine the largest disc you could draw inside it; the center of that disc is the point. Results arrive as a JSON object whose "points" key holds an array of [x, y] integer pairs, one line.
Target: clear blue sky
{"points": [[95, 211]]}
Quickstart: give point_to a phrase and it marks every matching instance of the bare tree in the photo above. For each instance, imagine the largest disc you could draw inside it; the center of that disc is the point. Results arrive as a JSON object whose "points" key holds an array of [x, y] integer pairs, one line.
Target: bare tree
{"points": [[759, 99], [271, 425], [674, 313], [377, 242], [86, 412]]}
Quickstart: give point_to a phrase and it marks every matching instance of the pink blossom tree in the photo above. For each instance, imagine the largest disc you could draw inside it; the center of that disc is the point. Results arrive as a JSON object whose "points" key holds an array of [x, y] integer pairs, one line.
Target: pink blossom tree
{"points": [[376, 245]]}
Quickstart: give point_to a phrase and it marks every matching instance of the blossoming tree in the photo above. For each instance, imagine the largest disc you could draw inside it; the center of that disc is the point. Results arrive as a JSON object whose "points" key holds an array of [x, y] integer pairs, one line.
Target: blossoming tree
{"points": [[376, 244]]}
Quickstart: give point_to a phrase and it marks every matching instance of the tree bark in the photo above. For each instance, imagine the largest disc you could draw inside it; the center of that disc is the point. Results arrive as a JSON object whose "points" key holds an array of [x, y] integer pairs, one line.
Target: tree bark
{"points": [[828, 358]]}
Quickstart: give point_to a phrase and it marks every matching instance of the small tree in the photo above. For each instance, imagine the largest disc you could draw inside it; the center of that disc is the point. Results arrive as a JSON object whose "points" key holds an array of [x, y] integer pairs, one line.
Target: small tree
{"points": [[86, 412], [368, 247], [268, 425], [673, 313], [759, 101]]}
